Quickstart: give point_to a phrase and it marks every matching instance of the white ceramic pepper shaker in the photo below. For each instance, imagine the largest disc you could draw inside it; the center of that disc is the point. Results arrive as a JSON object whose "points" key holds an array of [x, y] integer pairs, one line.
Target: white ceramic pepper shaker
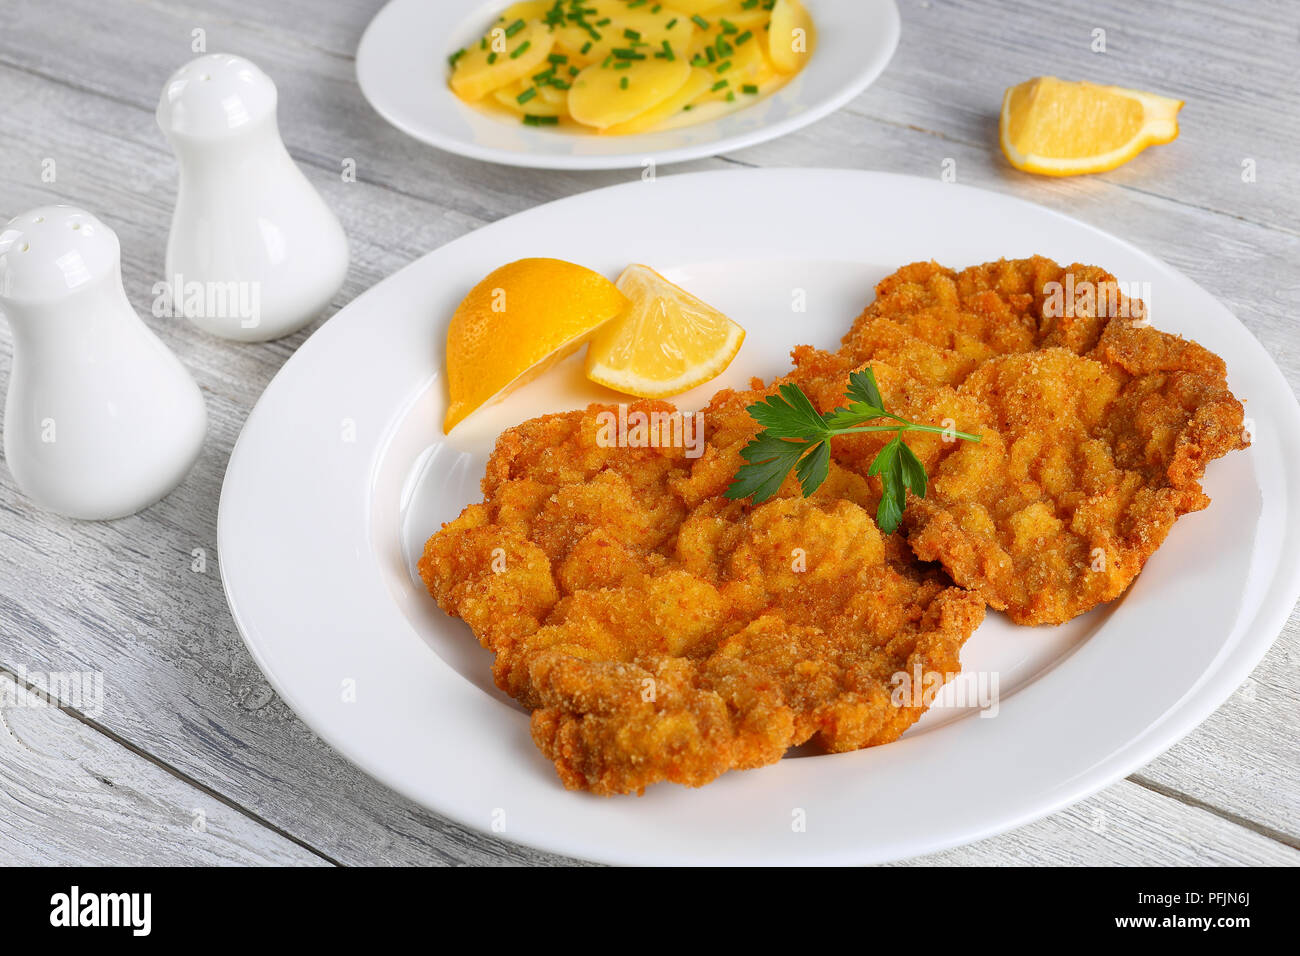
{"points": [[254, 253], [101, 419]]}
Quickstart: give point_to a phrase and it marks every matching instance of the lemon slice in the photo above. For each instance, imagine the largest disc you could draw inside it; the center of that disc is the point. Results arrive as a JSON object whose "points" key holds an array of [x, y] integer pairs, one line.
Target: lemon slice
{"points": [[1059, 128], [666, 342], [518, 322]]}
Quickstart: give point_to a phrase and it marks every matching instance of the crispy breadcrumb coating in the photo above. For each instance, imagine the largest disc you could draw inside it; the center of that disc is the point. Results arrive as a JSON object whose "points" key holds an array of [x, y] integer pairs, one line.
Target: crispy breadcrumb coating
{"points": [[659, 631], [1096, 427]]}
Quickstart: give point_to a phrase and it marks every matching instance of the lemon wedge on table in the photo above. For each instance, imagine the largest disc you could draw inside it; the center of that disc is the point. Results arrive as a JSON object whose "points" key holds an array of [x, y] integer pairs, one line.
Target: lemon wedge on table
{"points": [[666, 342], [518, 322], [1060, 128]]}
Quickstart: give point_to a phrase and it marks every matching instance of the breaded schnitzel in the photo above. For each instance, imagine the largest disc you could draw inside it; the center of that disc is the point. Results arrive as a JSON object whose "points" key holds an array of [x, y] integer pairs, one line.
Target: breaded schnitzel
{"points": [[659, 631], [1096, 427]]}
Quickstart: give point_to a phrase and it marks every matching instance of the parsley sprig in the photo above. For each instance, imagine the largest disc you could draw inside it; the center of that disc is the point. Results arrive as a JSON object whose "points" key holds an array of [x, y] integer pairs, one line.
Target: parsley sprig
{"points": [[796, 435]]}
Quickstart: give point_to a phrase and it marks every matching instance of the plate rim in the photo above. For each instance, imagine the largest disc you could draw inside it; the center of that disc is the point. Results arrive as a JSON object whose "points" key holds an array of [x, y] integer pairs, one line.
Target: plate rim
{"points": [[861, 80], [1210, 689]]}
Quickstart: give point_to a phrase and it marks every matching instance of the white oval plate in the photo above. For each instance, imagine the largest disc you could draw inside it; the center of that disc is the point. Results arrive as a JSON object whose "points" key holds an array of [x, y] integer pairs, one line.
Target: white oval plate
{"points": [[342, 470], [402, 70]]}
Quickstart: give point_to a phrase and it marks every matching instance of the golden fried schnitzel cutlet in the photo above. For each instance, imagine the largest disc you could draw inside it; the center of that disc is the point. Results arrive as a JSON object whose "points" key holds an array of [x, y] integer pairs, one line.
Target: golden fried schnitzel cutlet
{"points": [[1096, 427], [659, 631]]}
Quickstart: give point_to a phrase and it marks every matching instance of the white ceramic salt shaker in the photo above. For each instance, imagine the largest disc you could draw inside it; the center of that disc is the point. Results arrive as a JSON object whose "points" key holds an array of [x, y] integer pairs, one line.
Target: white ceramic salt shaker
{"points": [[101, 419], [254, 252]]}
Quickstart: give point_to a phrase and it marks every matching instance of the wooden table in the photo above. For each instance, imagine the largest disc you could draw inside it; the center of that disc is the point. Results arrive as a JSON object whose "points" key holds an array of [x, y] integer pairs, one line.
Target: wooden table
{"points": [[195, 760]]}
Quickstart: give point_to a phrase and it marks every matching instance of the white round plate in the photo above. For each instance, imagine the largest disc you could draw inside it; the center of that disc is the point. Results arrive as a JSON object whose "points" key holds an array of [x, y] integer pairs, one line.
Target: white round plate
{"points": [[402, 70], [342, 471]]}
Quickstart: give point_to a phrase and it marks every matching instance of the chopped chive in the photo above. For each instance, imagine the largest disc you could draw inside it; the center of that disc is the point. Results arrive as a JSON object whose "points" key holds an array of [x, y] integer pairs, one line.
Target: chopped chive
{"points": [[698, 60], [671, 23], [668, 52], [544, 75], [519, 50], [636, 3], [603, 23], [700, 22], [574, 71], [492, 57], [526, 95], [749, 88], [748, 4], [622, 84], [631, 34], [624, 54], [724, 66], [623, 65], [747, 35], [713, 57], [560, 84], [482, 43], [557, 58], [451, 60], [585, 47], [724, 48], [656, 8], [731, 96], [719, 85], [541, 120], [728, 26], [514, 28], [608, 59]]}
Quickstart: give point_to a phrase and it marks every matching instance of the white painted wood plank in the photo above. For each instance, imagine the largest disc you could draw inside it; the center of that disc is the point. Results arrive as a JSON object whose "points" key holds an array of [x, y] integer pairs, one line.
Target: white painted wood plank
{"points": [[1123, 825], [123, 594], [70, 796], [1229, 62], [1243, 758]]}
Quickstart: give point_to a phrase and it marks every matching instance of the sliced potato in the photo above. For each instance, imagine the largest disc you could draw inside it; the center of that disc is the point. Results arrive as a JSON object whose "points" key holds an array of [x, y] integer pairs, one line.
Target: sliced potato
{"points": [[527, 10], [545, 101], [692, 7], [790, 38], [745, 44], [697, 83], [651, 29], [600, 97], [481, 70], [745, 64], [754, 19]]}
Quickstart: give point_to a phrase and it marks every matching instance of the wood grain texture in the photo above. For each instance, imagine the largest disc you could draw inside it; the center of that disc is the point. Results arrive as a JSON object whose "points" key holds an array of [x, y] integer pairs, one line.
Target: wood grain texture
{"points": [[1125, 823], [69, 796], [121, 596]]}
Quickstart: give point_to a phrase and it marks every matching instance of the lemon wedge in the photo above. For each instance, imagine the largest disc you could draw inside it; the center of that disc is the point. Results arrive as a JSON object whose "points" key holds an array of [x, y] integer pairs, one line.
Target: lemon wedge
{"points": [[518, 322], [666, 342], [1060, 128]]}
